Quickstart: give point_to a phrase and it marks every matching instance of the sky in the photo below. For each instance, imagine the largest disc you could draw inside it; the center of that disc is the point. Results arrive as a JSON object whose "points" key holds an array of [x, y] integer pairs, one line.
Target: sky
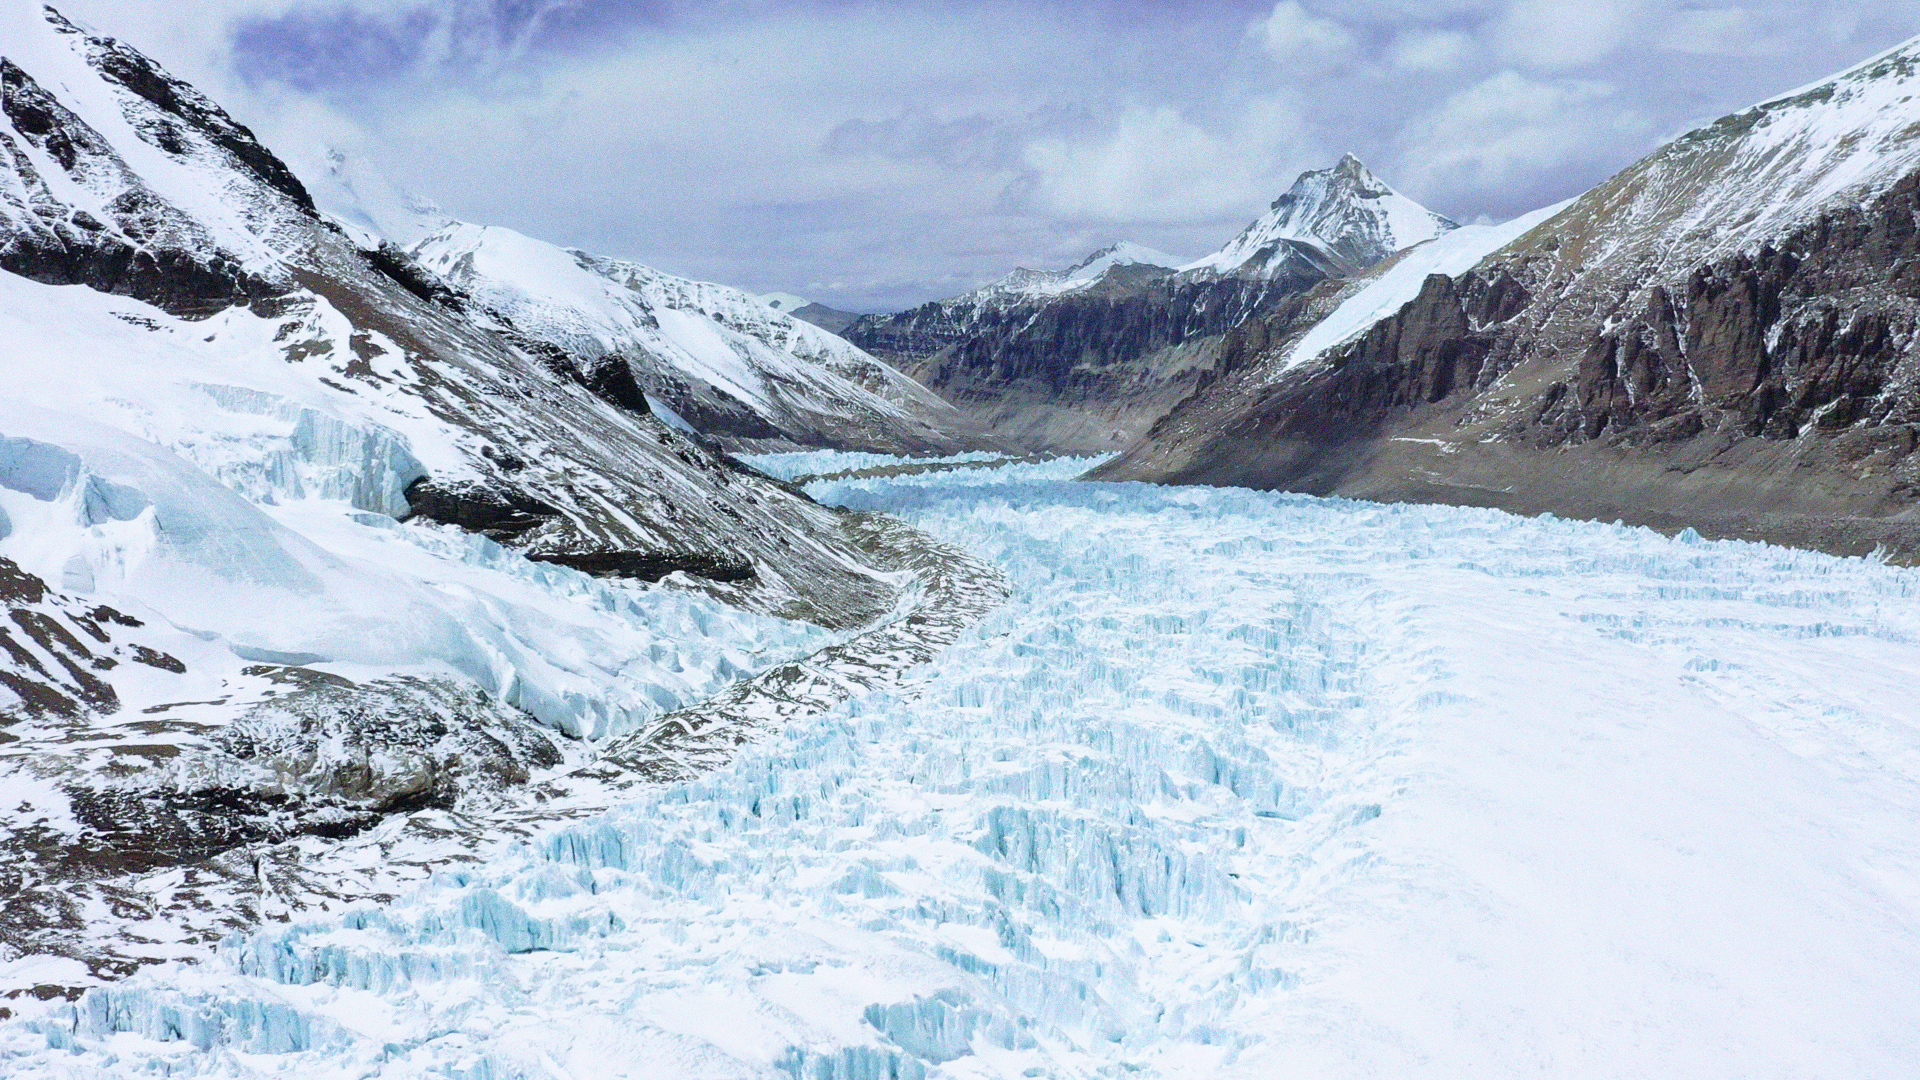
{"points": [[874, 155]]}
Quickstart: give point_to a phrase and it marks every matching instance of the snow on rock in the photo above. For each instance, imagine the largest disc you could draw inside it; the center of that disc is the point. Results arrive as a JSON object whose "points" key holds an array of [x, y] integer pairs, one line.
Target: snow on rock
{"points": [[347, 188], [1377, 295], [1748, 178], [1028, 285], [1239, 784], [730, 364], [1344, 212]]}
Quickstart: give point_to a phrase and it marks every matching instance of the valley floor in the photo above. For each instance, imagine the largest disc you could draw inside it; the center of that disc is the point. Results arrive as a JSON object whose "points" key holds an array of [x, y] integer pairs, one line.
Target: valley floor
{"points": [[1237, 784]]}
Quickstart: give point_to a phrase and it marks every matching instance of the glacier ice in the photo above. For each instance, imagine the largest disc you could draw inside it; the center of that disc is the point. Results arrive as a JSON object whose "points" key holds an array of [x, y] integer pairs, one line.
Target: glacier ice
{"points": [[1238, 784]]}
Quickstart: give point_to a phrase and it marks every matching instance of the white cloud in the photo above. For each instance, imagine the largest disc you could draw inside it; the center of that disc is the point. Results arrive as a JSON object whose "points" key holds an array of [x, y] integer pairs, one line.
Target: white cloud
{"points": [[1158, 166], [1299, 39], [1732, 31], [1510, 130], [1431, 51], [1560, 35]]}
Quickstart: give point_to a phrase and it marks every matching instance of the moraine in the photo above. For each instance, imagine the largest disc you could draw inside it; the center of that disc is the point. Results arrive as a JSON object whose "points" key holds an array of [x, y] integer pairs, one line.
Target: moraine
{"points": [[1235, 784]]}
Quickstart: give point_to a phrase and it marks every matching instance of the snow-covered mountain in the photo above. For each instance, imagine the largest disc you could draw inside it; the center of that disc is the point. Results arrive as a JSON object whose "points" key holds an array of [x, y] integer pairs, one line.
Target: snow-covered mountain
{"points": [[1720, 336], [1344, 215], [716, 358], [368, 203], [218, 406], [737, 369], [1086, 359], [1024, 285]]}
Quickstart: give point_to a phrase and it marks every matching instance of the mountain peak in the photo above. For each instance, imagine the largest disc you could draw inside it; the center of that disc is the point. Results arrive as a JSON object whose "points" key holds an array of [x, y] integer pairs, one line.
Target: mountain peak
{"points": [[1123, 253], [1025, 283], [1345, 213]]}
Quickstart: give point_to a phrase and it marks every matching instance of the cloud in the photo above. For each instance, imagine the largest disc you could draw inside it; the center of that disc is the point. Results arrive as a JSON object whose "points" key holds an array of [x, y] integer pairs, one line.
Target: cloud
{"points": [[900, 150], [1431, 51], [1302, 40], [1560, 35], [1508, 129], [1158, 166]]}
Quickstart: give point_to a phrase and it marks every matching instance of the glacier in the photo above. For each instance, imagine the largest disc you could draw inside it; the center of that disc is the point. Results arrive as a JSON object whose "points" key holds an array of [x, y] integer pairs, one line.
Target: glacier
{"points": [[1236, 784]]}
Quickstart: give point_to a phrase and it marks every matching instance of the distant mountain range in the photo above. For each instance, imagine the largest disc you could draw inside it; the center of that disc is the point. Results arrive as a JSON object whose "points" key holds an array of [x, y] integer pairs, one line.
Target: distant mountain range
{"points": [[1085, 359]]}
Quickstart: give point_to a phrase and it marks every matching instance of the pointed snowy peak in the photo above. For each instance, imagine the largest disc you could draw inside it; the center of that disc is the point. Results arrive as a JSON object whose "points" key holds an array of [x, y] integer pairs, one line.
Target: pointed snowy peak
{"points": [[1124, 253], [1344, 213]]}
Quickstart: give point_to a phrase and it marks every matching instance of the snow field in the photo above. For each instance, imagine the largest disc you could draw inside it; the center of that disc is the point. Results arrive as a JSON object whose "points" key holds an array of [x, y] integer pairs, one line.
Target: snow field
{"points": [[1238, 785]]}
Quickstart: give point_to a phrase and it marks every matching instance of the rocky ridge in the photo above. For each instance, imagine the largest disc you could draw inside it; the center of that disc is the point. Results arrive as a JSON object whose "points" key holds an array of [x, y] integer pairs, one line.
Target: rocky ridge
{"points": [[739, 371]]}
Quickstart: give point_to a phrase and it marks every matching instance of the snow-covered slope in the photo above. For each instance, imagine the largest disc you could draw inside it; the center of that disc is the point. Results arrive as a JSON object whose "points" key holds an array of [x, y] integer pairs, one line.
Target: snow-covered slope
{"points": [[1345, 214], [1374, 296], [735, 367], [1751, 178]]}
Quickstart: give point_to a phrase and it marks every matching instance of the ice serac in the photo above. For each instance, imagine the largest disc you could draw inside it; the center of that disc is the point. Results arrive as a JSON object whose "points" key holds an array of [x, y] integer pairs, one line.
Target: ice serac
{"points": [[1086, 359], [294, 535], [738, 369], [1721, 336]]}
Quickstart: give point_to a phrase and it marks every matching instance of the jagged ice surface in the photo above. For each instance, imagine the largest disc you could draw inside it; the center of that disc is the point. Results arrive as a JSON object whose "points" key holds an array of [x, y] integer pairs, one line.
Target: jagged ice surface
{"points": [[1238, 785]]}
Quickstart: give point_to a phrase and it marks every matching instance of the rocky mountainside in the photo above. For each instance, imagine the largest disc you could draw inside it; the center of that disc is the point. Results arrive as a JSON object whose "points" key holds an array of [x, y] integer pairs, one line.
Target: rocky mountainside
{"points": [[1721, 337], [738, 370], [1085, 359], [296, 534]]}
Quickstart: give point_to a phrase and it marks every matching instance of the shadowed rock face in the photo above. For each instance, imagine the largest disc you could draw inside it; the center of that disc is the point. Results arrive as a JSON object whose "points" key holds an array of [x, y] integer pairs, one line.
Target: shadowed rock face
{"points": [[145, 249], [1083, 372], [1772, 395]]}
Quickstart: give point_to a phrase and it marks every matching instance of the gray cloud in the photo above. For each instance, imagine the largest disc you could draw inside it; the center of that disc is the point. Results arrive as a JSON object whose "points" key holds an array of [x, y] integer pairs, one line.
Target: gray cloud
{"points": [[876, 154]]}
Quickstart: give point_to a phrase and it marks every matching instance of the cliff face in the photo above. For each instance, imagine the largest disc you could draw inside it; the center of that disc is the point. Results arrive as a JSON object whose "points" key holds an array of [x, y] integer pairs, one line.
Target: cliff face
{"points": [[1722, 337], [1077, 373]]}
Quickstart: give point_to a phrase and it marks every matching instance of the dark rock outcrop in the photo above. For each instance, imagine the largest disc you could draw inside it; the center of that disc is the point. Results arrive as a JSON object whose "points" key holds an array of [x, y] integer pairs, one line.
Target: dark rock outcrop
{"points": [[1085, 371]]}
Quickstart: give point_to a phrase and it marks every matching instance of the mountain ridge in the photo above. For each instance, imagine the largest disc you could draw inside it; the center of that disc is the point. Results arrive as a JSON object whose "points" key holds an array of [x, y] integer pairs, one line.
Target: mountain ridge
{"points": [[1085, 360], [1718, 337]]}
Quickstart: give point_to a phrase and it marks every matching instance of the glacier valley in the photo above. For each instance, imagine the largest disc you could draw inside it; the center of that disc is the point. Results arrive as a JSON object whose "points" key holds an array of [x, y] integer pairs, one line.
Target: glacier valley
{"points": [[1235, 784]]}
